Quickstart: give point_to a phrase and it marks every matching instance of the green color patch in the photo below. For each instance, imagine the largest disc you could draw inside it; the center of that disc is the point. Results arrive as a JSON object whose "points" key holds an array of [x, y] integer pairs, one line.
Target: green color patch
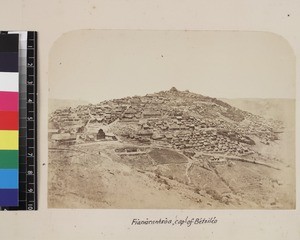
{"points": [[9, 159]]}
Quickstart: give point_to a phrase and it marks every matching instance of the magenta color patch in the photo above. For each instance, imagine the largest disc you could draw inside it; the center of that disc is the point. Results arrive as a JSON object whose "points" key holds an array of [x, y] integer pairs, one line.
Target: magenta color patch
{"points": [[9, 101]]}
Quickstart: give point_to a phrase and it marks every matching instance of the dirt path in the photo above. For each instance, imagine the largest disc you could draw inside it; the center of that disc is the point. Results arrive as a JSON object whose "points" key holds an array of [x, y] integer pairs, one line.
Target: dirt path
{"points": [[235, 158]]}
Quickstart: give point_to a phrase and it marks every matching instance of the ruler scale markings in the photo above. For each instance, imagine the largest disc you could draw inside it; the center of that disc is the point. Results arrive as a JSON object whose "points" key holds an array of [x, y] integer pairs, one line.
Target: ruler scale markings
{"points": [[9, 126]]}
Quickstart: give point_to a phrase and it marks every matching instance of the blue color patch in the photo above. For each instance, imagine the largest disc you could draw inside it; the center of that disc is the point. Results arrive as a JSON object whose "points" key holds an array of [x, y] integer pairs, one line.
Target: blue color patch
{"points": [[9, 178]]}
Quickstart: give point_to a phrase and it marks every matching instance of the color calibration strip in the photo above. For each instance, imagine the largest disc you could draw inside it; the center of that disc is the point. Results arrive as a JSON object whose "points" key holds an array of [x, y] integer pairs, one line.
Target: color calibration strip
{"points": [[26, 156], [9, 120]]}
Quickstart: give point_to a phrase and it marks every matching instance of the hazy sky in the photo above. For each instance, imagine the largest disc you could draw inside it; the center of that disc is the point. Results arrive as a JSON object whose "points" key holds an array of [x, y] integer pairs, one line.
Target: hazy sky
{"points": [[96, 65]]}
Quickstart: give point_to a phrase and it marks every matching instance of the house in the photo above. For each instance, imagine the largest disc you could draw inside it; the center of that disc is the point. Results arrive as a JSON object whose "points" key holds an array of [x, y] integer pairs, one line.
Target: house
{"points": [[146, 127], [157, 136], [110, 137], [145, 133], [51, 132], [144, 140], [63, 139], [151, 114], [100, 134], [130, 111], [174, 127]]}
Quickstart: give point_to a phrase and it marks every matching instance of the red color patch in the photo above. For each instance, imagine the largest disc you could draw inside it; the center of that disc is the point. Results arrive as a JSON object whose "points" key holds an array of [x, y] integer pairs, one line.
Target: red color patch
{"points": [[9, 120]]}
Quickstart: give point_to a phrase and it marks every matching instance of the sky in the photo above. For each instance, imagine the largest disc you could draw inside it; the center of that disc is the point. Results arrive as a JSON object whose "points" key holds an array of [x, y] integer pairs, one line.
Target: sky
{"points": [[97, 65]]}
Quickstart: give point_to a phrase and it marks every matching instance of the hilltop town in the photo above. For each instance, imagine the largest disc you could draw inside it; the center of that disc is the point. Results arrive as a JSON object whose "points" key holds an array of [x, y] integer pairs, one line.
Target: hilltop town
{"points": [[174, 135], [180, 120]]}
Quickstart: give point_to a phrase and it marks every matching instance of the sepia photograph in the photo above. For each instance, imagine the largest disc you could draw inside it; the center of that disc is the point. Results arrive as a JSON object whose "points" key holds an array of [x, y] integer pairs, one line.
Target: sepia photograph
{"points": [[171, 120]]}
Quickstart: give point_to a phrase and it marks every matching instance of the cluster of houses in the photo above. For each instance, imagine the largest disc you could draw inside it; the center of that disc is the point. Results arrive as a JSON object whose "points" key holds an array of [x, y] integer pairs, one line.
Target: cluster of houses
{"points": [[184, 138], [179, 119]]}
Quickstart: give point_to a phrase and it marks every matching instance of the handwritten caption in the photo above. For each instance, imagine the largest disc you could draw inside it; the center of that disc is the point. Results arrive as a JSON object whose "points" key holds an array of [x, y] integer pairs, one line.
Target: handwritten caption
{"points": [[187, 221]]}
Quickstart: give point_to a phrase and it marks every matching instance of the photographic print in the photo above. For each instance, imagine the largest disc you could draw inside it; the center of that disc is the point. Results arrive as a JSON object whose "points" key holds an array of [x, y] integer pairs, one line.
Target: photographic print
{"points": [[171, 120]]}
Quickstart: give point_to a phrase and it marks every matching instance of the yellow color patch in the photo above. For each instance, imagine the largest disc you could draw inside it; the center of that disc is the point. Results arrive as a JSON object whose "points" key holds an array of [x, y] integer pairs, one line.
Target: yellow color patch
{"points": [[9, 140]]}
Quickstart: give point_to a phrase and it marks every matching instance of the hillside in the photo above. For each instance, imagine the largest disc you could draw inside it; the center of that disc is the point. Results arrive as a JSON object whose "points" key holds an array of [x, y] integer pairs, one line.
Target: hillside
{"points": [[279, 109], [190, 150]]}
